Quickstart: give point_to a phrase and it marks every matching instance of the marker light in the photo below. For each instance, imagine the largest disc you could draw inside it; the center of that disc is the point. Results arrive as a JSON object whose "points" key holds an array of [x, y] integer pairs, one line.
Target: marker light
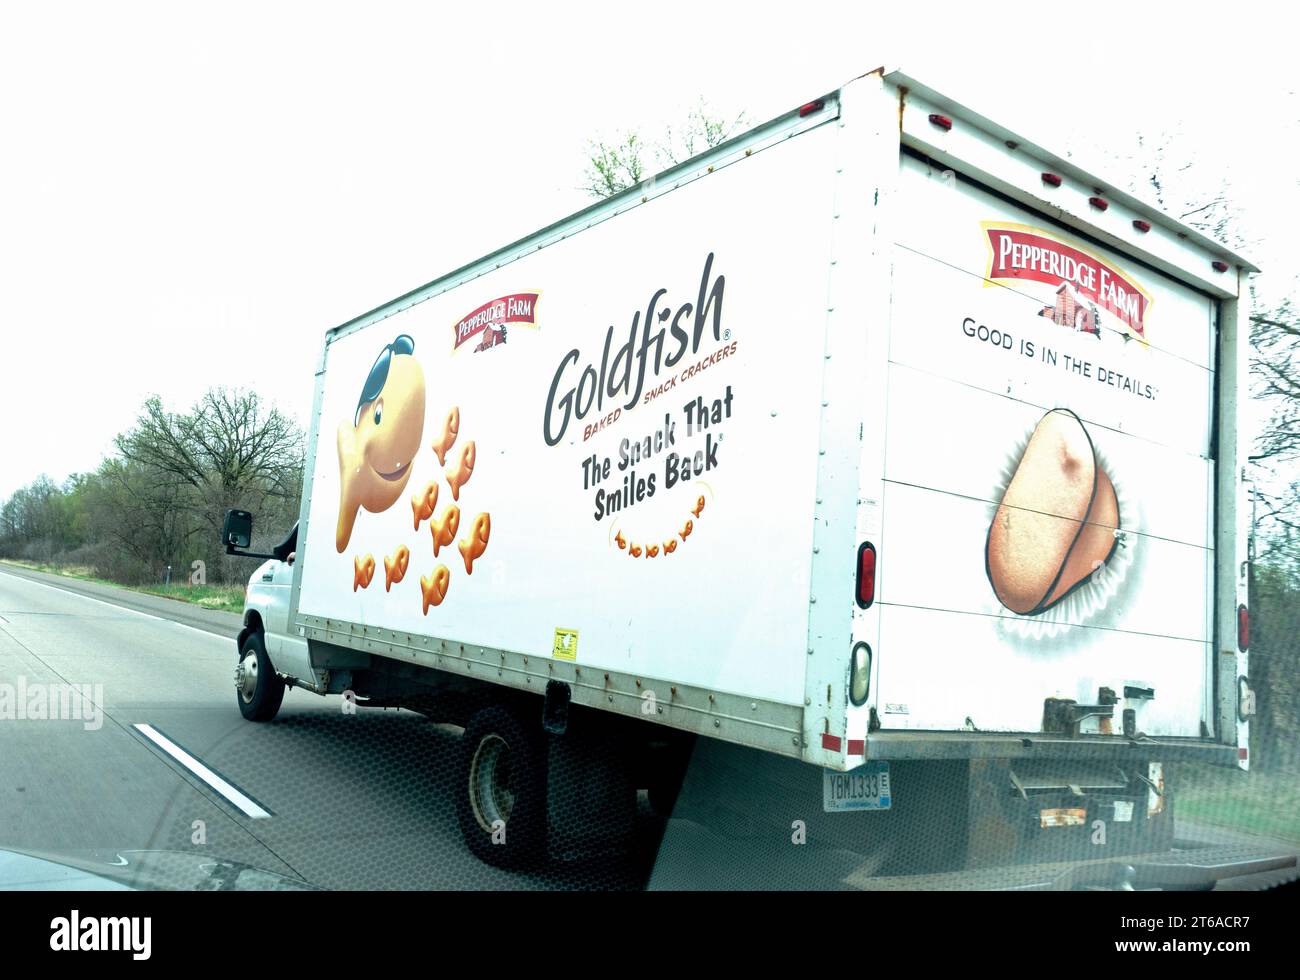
{"points": [[1245, 699], [1053, 179], [866, 590], [943, 122], [860, 674]]}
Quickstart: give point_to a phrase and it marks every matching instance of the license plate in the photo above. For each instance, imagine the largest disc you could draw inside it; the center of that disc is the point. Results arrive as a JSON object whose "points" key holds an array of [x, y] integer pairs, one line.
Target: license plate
{"points": [[863, 788]]}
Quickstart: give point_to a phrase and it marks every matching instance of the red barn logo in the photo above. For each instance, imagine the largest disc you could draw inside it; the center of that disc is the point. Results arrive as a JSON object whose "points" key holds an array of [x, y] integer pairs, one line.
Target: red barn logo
{"points": [[1086, 285], [488, 322]]}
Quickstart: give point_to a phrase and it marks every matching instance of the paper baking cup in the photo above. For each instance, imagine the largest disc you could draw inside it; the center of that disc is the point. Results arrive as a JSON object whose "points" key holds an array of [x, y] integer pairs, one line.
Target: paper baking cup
{"points": [[1089, 599]]}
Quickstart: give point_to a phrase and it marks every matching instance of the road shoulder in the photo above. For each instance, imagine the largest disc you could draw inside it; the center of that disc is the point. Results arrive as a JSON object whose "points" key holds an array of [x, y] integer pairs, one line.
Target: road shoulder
{"points": [[208, 620]]}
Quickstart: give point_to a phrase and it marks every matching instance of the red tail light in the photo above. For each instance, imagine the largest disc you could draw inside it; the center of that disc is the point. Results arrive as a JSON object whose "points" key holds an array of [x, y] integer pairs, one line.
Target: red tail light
{"points": [[943, 122], [1100, 203], [1243, 628], [1053, 179], [1219, 266], [1142, 226], [866, 592], [808, 108]]}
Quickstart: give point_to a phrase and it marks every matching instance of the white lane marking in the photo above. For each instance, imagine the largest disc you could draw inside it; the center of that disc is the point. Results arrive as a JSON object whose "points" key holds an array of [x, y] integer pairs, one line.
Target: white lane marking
{"points": [[114, 605], [241, 801]]}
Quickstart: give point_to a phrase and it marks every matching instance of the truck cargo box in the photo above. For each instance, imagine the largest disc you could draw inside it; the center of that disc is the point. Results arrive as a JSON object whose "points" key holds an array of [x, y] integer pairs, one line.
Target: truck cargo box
{"points": [[877, 432]]}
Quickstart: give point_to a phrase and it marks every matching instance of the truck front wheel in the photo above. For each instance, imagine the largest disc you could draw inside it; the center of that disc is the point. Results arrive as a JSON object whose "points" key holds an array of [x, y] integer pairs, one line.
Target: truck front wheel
{"points": [[258, 689], [502, 799]]}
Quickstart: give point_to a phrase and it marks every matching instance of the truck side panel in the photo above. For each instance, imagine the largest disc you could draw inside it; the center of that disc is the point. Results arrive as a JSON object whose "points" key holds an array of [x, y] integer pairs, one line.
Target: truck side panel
{"points": [[640, 397]]}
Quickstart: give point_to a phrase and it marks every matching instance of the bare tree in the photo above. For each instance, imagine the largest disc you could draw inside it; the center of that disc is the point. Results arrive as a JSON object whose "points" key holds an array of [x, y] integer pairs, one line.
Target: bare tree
{"points": [[138, 521], [1275, 364], [1205, 202], [231, 449], [703, 131], [614, 166]]}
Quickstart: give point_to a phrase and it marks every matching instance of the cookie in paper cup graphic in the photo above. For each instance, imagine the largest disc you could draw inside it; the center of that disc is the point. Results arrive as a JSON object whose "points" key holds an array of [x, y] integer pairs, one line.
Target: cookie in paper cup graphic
{"points": [[1058, 545]]}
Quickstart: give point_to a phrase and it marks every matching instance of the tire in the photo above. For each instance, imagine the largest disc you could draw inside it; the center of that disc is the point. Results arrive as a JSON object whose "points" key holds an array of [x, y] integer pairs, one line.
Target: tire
{"points": [[502, 779], [665, 783], [258, 689]]}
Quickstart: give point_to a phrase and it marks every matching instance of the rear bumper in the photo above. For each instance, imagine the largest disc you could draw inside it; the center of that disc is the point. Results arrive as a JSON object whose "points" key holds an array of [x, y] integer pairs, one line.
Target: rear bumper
{"points": [[897, 746]]}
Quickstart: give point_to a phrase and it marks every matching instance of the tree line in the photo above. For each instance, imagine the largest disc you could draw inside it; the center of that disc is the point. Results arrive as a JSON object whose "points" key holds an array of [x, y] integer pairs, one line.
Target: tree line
{"points": [[160, 498]]}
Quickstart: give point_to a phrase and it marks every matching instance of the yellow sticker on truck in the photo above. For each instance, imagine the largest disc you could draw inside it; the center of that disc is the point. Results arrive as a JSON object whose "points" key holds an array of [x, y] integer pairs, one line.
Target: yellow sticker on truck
{"points": [[565, 646]]}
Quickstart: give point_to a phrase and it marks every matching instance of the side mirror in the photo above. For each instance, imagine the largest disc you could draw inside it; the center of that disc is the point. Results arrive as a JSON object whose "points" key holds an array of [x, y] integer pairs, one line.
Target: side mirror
{"points": [[237, 531]]}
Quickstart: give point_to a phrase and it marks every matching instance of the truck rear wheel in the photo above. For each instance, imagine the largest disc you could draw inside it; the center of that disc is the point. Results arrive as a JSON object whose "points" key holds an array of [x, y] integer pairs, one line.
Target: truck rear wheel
{"points": [[501, 805], [258, 689]]}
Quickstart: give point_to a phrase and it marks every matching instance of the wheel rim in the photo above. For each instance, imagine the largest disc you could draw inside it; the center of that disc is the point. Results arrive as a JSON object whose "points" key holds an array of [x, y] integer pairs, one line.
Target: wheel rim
{"points": [[490, 795], [246, 677]]}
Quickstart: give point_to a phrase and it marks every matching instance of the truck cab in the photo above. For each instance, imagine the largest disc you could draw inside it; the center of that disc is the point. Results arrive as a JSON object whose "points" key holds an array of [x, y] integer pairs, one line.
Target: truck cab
{"points": [[268, 656]]}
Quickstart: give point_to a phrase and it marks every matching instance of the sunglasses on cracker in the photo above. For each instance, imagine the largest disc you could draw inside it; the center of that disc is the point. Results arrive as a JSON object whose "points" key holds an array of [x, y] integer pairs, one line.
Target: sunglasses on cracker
{"points": [[378, 376]]}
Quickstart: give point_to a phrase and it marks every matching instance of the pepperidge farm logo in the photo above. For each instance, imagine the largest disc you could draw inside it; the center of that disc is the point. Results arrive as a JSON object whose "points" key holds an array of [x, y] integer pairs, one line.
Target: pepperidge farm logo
{"points": [[489, 323], [1087, 287], [125, 933]]}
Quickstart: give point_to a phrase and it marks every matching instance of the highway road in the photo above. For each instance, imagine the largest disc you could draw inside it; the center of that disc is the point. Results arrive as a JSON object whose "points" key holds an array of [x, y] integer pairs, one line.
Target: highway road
{"points": [[355, 801], [329, 799]]}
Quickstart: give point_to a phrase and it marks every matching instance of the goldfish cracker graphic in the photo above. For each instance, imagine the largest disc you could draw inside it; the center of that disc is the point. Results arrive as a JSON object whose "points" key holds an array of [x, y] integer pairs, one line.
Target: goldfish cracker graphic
{"points": [[670, 546], [377, 447], [634, 551], [458, 475], [444, 531], [686, 530], [423, 503], [448, 438], [363, 570], [620, 540], [652, 551], [699, 508], [433, 587], [395, 567], [477, 542]]}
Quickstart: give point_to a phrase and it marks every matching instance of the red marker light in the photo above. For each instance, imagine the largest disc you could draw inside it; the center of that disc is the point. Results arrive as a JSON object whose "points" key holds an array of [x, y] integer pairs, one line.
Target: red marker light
{"points": [[1219, 266], [1142, 226], [1053, 179], [1243, 628], [943, 122], [1243, 754], [808, 108], [866, 591], [1100, 203]]}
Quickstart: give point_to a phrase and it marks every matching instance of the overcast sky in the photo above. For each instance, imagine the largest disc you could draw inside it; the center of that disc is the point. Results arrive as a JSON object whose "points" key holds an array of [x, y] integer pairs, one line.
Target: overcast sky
{"points": [[193, 193]]}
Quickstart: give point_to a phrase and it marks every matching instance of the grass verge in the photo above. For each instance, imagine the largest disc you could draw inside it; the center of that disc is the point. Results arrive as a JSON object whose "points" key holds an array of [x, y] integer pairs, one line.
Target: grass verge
{"points": [[224, 598], [1260, 802]]}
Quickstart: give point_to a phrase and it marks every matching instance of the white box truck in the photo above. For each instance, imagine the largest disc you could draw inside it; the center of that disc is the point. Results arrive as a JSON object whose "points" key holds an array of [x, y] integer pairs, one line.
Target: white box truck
{"points": [[878, 436]]}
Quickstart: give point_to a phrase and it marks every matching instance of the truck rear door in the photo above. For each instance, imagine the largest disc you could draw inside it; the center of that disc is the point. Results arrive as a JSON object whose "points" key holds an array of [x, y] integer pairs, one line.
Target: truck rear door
{"points": [[1047, 529]]}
